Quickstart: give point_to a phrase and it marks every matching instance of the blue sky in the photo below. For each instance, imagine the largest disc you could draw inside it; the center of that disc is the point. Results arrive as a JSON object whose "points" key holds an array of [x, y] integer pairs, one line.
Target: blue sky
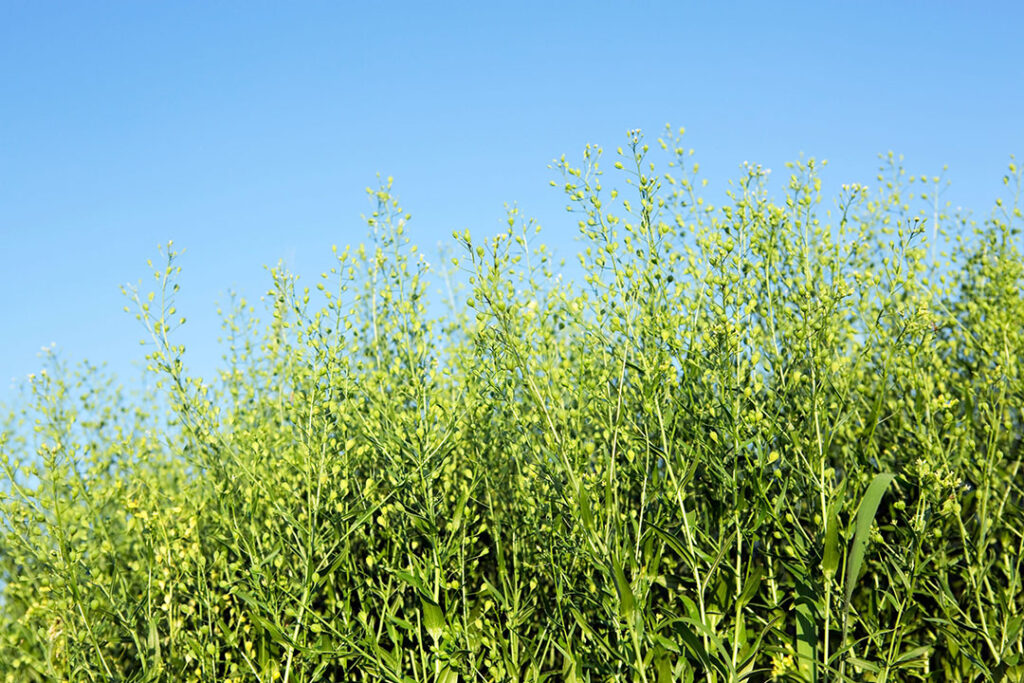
{"points": [[247, 132]]}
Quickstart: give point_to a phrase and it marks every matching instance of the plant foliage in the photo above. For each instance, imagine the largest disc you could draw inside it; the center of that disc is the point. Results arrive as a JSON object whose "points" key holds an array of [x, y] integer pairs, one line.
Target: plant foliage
{"points": [[759, 441]]}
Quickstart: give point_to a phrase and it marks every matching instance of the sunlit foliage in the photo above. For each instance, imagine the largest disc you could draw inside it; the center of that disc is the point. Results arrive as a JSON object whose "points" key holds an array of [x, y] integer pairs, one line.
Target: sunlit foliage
{"points": [[776, 439]]}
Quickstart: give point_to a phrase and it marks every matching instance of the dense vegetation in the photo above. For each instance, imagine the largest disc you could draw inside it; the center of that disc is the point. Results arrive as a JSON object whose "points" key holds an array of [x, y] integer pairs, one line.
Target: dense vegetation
{"points": [[762, 441]]}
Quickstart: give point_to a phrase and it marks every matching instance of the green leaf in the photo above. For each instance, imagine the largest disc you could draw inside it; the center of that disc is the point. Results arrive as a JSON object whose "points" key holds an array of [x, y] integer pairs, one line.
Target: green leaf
{"points": [[398, 621], [584, 502], [415, 582], [672, 542], [275, 633], [864, 665], [806, 635], [830, 557], [722, 662], [625, 592], [691, 642], [752, 584], [592, 634], [865, 517], [433, 619], [919, 652]]}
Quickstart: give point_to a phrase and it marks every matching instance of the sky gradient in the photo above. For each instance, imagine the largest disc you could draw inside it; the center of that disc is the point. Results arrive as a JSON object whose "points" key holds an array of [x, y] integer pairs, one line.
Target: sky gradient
{"points": [[247, 132]]}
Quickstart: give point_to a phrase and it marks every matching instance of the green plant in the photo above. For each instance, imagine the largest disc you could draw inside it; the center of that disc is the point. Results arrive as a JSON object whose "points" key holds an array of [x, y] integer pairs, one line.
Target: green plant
{"points": [[758, 441]]}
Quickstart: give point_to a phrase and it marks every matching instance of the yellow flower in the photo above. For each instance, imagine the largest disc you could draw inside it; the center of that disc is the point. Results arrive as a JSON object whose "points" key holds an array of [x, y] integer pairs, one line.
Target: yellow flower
{"points": [[781, 666]]}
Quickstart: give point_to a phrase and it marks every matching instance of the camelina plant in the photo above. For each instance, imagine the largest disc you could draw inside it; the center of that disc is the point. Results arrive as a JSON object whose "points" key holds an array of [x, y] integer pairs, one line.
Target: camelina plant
{"points": [[769, 440]]}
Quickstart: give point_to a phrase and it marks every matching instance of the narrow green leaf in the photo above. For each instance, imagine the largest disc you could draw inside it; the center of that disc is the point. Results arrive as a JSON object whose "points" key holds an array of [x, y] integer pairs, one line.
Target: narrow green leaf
{"points": [[275, 633], [919, 652], [592, 634], [415, 582], [585, 511], [865, 517], [672, 542], [752, 584], [830, 557], [622, 587], [864, 665], [806, 636]]}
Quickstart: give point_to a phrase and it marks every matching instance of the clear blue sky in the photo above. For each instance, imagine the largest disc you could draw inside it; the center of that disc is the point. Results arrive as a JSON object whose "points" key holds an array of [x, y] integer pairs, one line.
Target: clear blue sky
{"points": [[247, 131]]}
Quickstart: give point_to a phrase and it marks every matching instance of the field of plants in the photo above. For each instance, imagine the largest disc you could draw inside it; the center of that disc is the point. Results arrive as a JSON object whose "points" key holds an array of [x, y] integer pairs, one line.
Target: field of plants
{"points": [[774, 439]]}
